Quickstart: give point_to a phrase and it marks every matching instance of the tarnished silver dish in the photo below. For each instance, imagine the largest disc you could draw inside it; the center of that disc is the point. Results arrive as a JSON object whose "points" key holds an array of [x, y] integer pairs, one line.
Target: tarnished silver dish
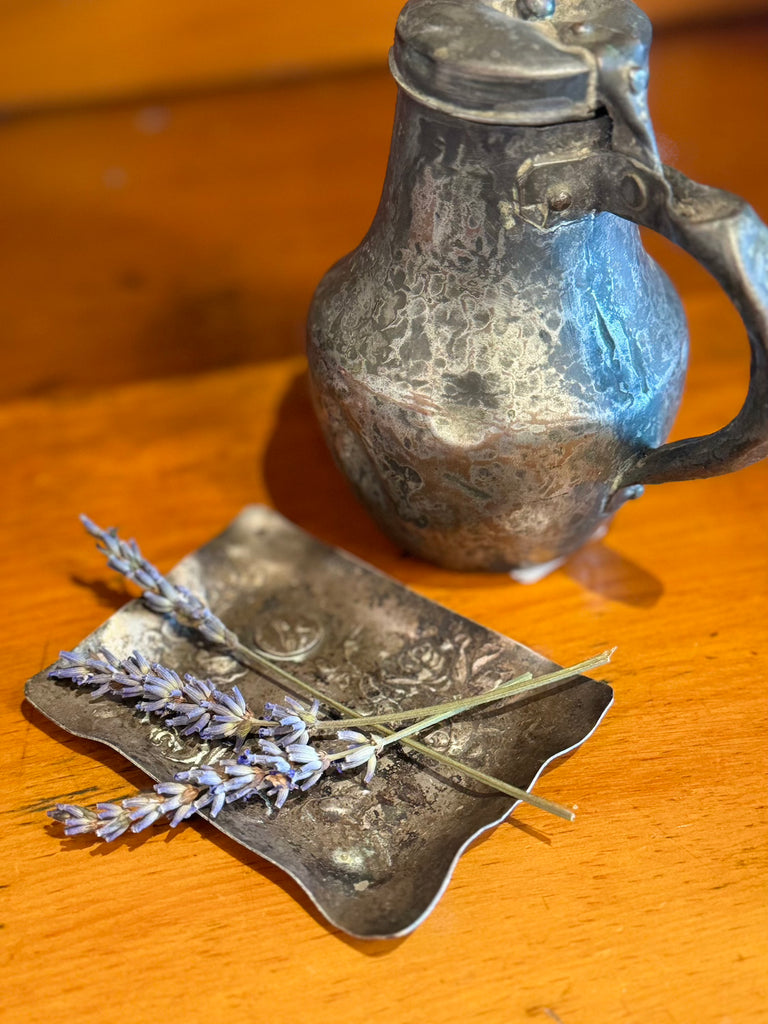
{"points": [[374, 859]]}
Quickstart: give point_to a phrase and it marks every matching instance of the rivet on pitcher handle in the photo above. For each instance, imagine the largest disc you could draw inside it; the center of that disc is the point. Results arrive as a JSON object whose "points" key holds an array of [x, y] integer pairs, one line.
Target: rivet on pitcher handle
{"points": [[633, 192], [535, 9]]}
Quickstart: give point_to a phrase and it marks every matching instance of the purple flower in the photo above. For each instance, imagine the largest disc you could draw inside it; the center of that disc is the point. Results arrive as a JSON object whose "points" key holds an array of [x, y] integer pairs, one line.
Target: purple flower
{"points": [[267, 773], [143, 810], [212, 782], [231, 716], [76, 820], [314, 763], [278, 785], [364, 750], [162, 689], [244, 780], [180, 801], [159, 593], [114, 819], [293, 721], [271, 755], [194, 711], [104, 671]]}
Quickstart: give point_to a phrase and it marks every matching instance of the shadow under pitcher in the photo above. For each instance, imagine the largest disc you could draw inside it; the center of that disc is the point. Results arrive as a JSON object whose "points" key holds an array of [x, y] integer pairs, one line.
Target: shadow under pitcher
{"points": [[497, 365]]}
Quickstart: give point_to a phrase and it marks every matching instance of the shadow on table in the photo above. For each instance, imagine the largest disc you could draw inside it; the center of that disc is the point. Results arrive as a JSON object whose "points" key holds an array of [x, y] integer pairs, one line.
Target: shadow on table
{"points": [[307, 487], [111, 594], [605, 572]]}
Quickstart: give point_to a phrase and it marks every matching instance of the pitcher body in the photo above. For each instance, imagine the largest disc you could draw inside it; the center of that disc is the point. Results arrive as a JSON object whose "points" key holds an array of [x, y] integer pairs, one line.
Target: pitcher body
{"points": [[498, 363], [481, 379]]}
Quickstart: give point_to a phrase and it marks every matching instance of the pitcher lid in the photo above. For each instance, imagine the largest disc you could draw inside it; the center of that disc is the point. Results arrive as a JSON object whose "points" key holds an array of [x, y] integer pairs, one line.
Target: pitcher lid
{"points": [[525, 62]]}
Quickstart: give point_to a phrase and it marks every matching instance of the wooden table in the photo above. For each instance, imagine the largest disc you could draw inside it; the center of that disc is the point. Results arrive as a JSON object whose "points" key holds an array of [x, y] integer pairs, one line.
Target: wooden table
{"points": [[158, 266]]}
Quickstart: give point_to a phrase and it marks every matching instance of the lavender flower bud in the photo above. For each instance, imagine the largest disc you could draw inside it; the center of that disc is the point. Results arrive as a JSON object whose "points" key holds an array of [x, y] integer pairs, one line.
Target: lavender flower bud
{"points": [[143, 809], [363, 750], [114, 820], [76, 820], [202, 775], [314, 763]]}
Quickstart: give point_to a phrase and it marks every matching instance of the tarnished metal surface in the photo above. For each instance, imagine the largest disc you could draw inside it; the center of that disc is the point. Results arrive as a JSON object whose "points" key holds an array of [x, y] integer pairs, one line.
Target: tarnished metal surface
{"points": [[498, 363], [376, 858], [482, 379], [517, 61]]}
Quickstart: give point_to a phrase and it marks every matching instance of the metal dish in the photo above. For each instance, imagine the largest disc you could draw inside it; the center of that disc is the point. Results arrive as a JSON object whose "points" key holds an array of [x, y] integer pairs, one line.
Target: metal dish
{"points": [[374, 859]]}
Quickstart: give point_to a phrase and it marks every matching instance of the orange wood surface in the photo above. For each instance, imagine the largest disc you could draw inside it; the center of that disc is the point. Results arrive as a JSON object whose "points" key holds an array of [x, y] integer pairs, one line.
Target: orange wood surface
{"points": [[145, 240], [152, 378], [55, 52]]}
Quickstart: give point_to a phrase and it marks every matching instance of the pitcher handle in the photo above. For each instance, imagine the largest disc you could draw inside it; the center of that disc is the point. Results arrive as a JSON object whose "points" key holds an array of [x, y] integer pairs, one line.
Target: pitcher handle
{"points": [[726, 236], [719, 230]]}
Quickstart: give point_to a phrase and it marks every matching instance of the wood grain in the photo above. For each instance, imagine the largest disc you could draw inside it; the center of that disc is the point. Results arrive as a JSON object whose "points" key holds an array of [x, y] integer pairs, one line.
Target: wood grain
{"points": [[56, 53], [145, 241], [651, 908]]}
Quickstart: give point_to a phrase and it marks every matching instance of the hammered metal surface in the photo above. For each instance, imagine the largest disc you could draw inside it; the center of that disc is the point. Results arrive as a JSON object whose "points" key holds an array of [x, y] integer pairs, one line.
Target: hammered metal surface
{"points": [[498, 363], [481, 378], [374, 859]]}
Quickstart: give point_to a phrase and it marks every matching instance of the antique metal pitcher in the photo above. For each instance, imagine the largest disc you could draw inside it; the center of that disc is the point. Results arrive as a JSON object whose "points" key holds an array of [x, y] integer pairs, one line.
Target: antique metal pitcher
{"points": [[498, 363]]}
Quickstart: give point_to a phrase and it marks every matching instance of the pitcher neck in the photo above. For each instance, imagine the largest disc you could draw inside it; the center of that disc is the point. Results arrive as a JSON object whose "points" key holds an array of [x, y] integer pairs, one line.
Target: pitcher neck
{"points": [[445, 171]]}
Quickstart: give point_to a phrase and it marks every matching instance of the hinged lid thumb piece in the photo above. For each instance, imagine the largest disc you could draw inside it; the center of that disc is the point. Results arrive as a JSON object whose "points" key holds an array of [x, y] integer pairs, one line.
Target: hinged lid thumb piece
{"points": [[526, 62]]}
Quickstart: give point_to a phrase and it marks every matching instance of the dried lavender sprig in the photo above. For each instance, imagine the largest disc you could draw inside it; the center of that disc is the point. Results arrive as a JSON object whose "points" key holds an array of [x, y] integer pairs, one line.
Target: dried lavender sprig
{"points": [[192, 703], [270, 772], [165, 598], [172, 800], [258, 661], [190, 700], [196, 705], [214, 714], [162, 596], [159, 593], [266, 774]]}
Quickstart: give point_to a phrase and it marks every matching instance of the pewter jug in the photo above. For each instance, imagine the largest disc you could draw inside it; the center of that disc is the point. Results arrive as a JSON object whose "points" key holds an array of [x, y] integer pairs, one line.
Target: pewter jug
{"points": [[497, 365]]}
